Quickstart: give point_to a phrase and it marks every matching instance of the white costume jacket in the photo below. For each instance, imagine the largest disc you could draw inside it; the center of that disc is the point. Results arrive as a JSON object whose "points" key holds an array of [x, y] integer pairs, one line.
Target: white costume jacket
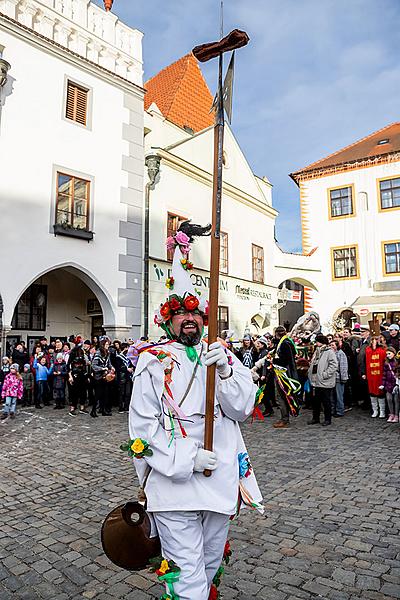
{"points": [[172, 485]]}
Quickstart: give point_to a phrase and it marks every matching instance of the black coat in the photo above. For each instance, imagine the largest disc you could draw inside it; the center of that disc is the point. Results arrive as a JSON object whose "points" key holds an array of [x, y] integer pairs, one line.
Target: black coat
{"points": [[285, 356], [21, 358]]}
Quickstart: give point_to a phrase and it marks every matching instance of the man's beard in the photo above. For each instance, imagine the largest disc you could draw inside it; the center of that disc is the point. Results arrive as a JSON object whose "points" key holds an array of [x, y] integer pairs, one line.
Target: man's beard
{"points": [[189, 339]]}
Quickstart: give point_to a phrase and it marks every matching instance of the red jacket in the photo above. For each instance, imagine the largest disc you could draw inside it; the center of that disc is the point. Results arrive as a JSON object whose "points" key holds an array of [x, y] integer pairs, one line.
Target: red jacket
{"points": [[374, 361]]}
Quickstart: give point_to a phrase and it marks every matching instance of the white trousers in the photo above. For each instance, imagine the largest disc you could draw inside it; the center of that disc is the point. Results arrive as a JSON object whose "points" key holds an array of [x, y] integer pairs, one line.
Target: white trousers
{"points": [[195, 541]]}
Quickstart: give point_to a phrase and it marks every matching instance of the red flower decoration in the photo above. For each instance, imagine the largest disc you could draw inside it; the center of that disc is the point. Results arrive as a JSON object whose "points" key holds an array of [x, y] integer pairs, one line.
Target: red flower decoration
{"points": [[174, 304], [165, 311], [213, 593], [227, 549], [191, 303]]}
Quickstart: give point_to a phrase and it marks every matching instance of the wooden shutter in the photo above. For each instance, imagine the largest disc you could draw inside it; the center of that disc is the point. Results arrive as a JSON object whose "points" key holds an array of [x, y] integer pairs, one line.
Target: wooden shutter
{"points": [[76, 103]]}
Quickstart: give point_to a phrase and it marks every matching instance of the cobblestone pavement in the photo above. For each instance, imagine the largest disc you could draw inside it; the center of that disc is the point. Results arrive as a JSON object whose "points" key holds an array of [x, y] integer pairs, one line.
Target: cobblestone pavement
{"points": [[331, 528]]}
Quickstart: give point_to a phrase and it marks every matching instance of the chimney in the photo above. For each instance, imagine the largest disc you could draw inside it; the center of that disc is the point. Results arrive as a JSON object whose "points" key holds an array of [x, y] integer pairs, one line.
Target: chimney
{"points": [[108, 4]]}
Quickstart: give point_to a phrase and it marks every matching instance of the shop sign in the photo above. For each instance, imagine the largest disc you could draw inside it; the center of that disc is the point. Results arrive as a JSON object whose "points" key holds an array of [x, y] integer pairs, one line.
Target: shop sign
{"points": [[246, 292], [363, 312]]}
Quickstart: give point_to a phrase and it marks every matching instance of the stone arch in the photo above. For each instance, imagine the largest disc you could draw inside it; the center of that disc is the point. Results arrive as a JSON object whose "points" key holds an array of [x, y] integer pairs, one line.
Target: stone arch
{"points": [[105, 300]]}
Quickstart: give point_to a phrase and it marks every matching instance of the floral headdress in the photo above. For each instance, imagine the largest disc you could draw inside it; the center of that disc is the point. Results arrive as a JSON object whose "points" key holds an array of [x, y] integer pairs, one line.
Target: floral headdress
{"points": [[182, 291]]}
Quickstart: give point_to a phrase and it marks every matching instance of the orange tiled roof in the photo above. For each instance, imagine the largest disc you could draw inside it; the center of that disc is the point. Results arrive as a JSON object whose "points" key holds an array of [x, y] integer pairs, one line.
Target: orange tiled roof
{"points": [[181, 94], [362, 149]]}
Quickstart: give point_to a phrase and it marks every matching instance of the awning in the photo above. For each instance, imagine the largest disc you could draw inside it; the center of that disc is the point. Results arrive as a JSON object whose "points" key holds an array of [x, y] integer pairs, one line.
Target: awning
{"points": [[378, 303]]}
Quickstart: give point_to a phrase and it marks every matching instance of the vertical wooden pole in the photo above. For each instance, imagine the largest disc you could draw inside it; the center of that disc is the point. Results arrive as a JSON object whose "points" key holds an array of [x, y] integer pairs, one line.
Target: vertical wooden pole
{"points": [[214, 263]]}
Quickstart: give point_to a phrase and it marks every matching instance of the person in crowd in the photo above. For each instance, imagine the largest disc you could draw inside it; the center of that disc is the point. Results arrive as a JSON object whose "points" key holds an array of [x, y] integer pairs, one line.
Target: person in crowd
{"points": [[396, 395], [4, 370], [322, 375], [77, 379], [42, 372], [66, 351], [12, 391], [389, 384], [382, 341], [58, 346], [44, 346], [20, 356], [247, 354], [284, 355], [375, 357], [95, 342], [394, 337], [342, 375], [60, 372], [350, 385], [262, 372], [362, 392], [28, 381], [103, 372], [123, 371]]}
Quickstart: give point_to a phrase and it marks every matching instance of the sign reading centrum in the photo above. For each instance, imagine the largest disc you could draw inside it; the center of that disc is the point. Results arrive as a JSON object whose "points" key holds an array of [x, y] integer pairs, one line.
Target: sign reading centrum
{"points": [[203, 281]]}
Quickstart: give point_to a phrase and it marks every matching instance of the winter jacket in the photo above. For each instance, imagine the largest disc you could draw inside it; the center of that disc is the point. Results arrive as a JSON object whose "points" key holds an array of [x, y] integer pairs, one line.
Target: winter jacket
{"points": [[361, 364], [325, 361], [100, 365], [21, 358], [28, 380], [4, 371], [42, 372], [342, 374], [389, 375], [60, 375], [12, 387], [394, 341]]}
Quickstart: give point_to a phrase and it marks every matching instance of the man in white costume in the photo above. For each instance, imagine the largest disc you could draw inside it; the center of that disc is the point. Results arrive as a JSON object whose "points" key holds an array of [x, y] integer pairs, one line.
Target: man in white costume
{"points": [[191, 511]]}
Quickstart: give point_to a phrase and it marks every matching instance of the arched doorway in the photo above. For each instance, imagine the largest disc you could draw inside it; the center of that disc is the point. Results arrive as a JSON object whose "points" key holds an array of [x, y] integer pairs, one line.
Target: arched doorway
{"points": [[291, 304], [57, 304], [345, 317]]}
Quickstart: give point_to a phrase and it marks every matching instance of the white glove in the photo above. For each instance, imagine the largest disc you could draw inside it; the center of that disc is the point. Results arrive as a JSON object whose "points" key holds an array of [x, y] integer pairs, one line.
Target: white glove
{"points": [[205, 460], [216, 355]]}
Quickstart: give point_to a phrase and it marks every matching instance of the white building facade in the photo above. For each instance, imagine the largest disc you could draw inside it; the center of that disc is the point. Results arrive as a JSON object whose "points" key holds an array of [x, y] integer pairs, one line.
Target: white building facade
{"points": [[71, 185], [350, 210]]}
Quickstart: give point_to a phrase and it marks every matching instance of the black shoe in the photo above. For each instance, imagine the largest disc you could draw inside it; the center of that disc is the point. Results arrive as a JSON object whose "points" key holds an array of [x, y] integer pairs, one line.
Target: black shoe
{"points": [[38, 406], [107, 414], [56, 407], [72, 413], [83, 411], [326, 423], [93, 413], [312, 422], [121, 410]]}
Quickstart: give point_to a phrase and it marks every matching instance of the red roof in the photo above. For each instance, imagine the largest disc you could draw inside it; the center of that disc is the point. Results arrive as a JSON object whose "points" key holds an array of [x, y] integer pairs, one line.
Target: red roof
{"points": [[181, 94], [367, 147]]}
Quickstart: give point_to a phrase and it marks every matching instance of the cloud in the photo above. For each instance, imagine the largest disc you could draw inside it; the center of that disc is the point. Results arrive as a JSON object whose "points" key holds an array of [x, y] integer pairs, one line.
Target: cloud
{"points": [[316, 76]]}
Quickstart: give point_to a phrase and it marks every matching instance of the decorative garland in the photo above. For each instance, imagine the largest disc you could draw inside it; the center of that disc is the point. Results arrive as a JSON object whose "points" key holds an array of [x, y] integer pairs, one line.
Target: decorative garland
{"points": [[257, 414], [166, 311], [167, 572], [214, 592]]}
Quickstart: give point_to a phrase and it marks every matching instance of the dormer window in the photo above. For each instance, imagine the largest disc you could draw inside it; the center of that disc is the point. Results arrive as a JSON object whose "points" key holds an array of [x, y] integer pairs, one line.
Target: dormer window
{"points": [[382, 142]]}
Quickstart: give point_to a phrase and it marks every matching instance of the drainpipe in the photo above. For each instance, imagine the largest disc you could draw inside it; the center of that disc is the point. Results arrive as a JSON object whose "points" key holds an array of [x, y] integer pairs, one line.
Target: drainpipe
{"points": [[152, 163]]}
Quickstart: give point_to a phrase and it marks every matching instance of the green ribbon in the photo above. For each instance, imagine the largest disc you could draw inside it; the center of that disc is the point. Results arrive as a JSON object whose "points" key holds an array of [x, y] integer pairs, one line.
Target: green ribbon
{"points": [[169, 579]]}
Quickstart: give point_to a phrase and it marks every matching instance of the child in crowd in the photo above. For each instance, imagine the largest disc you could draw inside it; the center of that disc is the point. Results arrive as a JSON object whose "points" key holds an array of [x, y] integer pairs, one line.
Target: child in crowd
{"points": [[42, 375], [12, 390], [28, 381], [4, 370], [59, 381], [389, 384]]}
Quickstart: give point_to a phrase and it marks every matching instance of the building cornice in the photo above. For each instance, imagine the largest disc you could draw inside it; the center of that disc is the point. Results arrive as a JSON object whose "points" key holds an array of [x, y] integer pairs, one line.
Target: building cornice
{"points": [[371, 161], [54, 48], [206, 178]]}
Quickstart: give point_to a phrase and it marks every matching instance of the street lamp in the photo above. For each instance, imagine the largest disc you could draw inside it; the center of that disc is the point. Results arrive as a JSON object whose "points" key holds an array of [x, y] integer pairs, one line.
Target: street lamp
{"points": [[4, 68]]}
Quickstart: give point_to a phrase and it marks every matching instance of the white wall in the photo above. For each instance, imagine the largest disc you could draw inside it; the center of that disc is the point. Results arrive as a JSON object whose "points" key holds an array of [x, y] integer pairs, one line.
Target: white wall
{"points": [[34, 139], [368, 228]]}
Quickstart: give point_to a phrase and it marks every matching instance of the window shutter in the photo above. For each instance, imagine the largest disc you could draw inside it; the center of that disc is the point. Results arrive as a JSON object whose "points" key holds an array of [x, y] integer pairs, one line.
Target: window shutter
{"points": [[76, 103]]}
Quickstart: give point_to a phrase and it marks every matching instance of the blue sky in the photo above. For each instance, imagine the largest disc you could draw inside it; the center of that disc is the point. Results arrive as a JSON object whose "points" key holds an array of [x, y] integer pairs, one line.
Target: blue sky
{"points": [[316, 76]]}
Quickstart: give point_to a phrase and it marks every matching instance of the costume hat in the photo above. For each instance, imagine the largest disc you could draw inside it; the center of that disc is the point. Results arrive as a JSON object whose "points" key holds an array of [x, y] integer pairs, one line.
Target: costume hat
{"points": [[182, 291]]}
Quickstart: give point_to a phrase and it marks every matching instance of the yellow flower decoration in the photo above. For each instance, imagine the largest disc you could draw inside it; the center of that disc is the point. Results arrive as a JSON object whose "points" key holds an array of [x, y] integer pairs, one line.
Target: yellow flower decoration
{"points": [[164, 567], [137, 446], [183, 261]]}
